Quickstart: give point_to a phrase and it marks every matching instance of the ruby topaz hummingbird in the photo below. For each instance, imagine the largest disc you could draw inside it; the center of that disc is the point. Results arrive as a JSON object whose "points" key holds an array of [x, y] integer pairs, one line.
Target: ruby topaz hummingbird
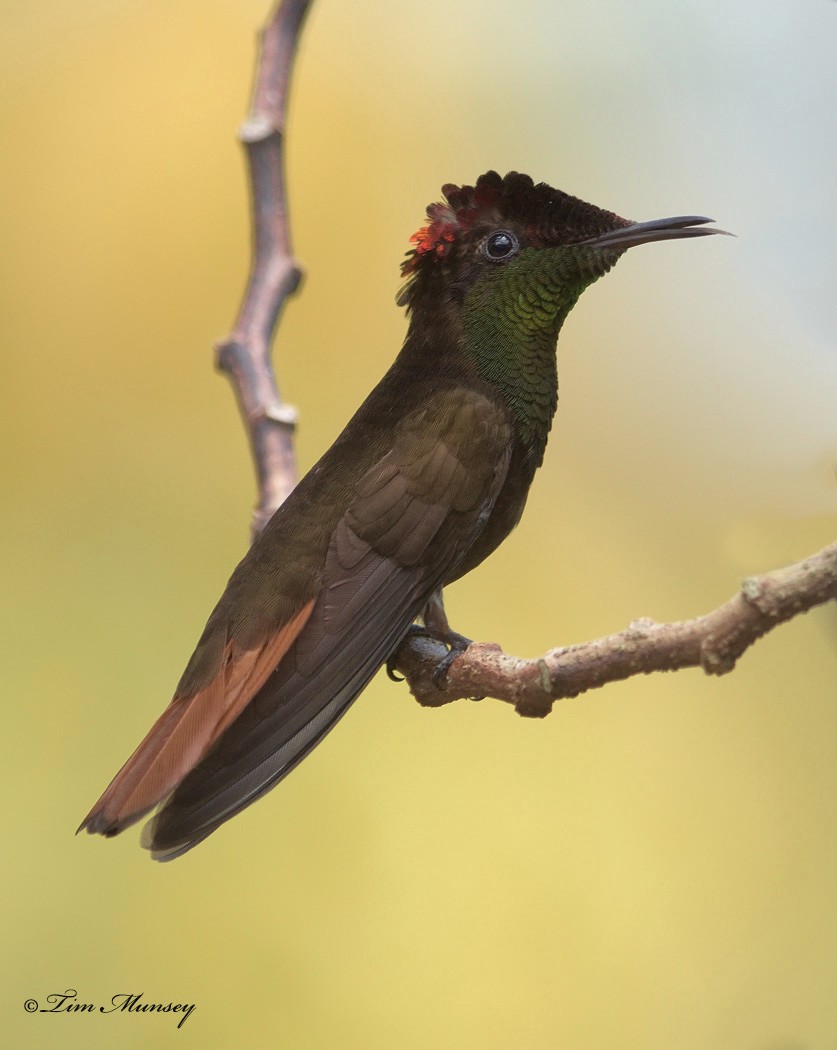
{"points": [[428, 478]]}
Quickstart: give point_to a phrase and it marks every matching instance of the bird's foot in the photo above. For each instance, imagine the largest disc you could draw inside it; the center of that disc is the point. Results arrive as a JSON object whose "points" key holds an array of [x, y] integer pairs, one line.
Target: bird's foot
{"points": [[413, 631], [456, 643]]}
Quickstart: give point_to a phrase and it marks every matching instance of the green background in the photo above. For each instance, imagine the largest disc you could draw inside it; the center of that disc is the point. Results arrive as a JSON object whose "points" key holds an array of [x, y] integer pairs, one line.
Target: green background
{"points": [[651, 867]]}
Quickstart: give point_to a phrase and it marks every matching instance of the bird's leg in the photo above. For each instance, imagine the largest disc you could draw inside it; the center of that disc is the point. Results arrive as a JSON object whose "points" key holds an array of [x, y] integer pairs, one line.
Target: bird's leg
{"points": [[435, 626]]}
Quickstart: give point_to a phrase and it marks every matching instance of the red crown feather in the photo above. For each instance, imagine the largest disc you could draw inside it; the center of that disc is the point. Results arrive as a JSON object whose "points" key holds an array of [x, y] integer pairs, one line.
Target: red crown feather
{"points": [[465, 206]]}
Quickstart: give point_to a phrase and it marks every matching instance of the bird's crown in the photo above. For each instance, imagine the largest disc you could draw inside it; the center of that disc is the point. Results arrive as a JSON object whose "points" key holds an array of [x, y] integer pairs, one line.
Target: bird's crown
{"points": [[544, 214]]}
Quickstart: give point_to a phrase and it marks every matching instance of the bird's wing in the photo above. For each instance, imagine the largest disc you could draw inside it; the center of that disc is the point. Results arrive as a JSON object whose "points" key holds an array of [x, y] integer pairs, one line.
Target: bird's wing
{"points": [[411, 518]]}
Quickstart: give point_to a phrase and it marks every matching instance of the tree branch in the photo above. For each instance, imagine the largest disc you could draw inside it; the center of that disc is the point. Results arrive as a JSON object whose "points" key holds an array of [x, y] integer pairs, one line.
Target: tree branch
{"points": [[714, 641], [274, 275]]}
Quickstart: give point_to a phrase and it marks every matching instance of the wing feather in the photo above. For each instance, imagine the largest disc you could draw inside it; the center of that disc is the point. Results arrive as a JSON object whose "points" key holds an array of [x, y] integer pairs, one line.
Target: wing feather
{"points": [[187, 729]]}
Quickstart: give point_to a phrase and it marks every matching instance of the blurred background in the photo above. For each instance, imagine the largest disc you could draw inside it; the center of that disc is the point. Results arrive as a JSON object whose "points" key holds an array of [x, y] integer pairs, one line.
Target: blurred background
{"points": [[652, 866]]}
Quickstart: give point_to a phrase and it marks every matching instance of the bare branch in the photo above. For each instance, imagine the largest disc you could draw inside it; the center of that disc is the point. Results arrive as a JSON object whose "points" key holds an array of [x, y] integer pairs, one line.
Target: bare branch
{"points": [[274, 275], [714, 642]]}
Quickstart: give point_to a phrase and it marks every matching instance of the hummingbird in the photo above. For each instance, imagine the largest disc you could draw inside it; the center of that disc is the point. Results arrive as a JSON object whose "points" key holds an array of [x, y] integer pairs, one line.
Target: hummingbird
{"points": [[429, 476]]}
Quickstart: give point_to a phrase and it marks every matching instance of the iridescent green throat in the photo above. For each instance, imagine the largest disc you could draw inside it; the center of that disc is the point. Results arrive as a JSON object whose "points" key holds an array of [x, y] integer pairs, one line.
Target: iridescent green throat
{"points": [[512, 318]]}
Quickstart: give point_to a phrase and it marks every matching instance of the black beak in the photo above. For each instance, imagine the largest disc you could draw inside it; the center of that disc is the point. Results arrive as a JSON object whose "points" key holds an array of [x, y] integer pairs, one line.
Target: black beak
{"points": [[654, 230]]}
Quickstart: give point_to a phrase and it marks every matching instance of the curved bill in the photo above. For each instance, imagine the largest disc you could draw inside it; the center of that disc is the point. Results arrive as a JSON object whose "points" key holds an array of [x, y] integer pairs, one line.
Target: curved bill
{"points": [[655, 230]]}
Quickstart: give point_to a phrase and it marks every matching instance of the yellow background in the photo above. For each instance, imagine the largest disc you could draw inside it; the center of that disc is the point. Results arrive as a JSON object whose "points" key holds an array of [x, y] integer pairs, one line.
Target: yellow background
{"points": [[653, 866]]}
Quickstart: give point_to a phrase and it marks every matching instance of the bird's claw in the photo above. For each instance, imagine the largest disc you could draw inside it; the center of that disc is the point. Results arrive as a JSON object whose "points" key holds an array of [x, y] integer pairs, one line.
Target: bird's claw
{"points": [[392, 674], [456, 643], [414, 631]]}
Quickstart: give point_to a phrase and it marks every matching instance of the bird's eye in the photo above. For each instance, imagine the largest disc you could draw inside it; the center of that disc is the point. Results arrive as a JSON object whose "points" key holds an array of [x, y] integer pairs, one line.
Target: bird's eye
{"points": [[500, 245]]}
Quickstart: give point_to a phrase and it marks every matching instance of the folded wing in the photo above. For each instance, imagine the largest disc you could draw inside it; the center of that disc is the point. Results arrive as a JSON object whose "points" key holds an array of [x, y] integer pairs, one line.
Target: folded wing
{"points": [[409, 520]]}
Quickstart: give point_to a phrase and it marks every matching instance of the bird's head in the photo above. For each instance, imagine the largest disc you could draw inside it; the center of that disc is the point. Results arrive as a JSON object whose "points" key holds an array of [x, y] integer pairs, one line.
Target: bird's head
{"points": [[510, 245]]}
